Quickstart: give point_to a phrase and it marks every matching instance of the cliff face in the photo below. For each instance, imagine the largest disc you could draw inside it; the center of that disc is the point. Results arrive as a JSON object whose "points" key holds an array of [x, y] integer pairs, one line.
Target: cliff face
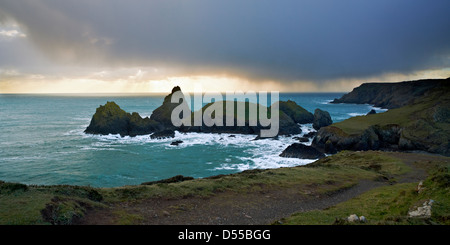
{"points": [[423, 125], [390, 95]]}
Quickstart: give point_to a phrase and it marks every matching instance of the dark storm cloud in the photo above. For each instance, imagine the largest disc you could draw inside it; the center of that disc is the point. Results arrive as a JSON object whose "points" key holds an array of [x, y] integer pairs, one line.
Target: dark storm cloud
{"points": [[280, 40]]}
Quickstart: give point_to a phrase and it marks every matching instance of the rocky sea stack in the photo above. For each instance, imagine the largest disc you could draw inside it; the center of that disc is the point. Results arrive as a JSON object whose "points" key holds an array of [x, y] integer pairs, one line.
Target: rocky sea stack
{"points": [[111, 119]]}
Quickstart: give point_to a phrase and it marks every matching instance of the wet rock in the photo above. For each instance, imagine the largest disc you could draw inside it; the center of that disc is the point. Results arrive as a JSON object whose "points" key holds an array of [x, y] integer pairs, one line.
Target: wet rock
{"points": [[301, 139], [321, 119], [371, 112], [301, 151], [310, 134], [262, 138], [177, 142], [163, 134]]}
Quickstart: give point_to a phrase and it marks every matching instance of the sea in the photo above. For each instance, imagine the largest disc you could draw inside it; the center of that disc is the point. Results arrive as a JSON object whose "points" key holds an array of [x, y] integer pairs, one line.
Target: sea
{"points": [[42, 142]]}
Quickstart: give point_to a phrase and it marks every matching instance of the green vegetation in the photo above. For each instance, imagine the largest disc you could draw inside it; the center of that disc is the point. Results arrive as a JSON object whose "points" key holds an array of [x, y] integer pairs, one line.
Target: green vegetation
{"points": [[423, 125], [23, 204], [296, 112], [390, 204], [406, 116]]}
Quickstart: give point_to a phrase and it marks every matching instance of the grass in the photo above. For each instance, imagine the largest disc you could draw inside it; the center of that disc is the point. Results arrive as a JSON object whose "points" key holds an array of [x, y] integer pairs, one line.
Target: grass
{"points": [[389, 204], [21, 204], [20, 208], [320, 178], [424, 111], [400, 116], [375, 205]]}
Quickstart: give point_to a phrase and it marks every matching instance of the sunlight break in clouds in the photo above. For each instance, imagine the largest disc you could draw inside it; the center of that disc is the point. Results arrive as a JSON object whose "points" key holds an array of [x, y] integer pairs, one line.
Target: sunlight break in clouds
{"points": [[11, 33], [288, 46]]}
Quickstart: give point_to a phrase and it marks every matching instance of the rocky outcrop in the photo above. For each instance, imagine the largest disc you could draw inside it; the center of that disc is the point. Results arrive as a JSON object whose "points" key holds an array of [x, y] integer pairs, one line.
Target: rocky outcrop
{"points": [[390, 95], [111, 119], [423, 211], [301, 151], [421, 125], [332, 139], [310, 134], [390, 137], [164, 134], [162, 114], [176, 142], [321, 119], [174, 179], [371, 112], [301, 139], [296, 112]]}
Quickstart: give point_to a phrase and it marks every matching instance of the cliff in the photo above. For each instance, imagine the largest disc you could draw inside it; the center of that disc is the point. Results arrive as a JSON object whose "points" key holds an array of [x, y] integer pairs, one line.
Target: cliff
{"points": [[423, 124], [391, 95]]}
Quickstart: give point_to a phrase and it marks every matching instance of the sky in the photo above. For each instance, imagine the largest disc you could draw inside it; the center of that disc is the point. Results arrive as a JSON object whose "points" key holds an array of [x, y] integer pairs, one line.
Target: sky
{"points": [[137, 46]]}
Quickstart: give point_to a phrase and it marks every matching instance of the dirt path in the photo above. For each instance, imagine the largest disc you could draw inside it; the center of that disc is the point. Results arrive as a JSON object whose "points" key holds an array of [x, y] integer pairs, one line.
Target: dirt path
{"points": [[227, 208]]}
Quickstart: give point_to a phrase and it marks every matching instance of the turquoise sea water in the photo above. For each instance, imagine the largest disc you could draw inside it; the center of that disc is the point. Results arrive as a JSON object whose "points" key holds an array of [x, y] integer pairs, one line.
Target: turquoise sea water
{"points": [[42, 142]]}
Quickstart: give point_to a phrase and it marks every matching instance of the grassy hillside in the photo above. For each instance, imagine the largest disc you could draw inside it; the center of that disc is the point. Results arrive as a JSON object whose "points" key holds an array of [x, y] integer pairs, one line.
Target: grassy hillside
{"points": [[423, 125], [390, 204], [21, 204]]}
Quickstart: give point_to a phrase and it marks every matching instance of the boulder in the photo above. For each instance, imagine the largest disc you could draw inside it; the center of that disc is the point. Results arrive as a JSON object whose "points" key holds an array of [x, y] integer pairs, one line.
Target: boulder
{"points": [[177, 142], [362, 219], [423, 211], [321, 119], [310, 134], [301, 139], [372, 112], [353, 218], [301, 151], [263, 138]]}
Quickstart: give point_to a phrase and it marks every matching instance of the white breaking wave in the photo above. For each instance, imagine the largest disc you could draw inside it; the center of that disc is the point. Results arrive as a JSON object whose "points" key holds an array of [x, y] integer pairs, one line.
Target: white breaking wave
{"points": [[378, 109], [354, 114], [260, 154], [326, 102]]}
